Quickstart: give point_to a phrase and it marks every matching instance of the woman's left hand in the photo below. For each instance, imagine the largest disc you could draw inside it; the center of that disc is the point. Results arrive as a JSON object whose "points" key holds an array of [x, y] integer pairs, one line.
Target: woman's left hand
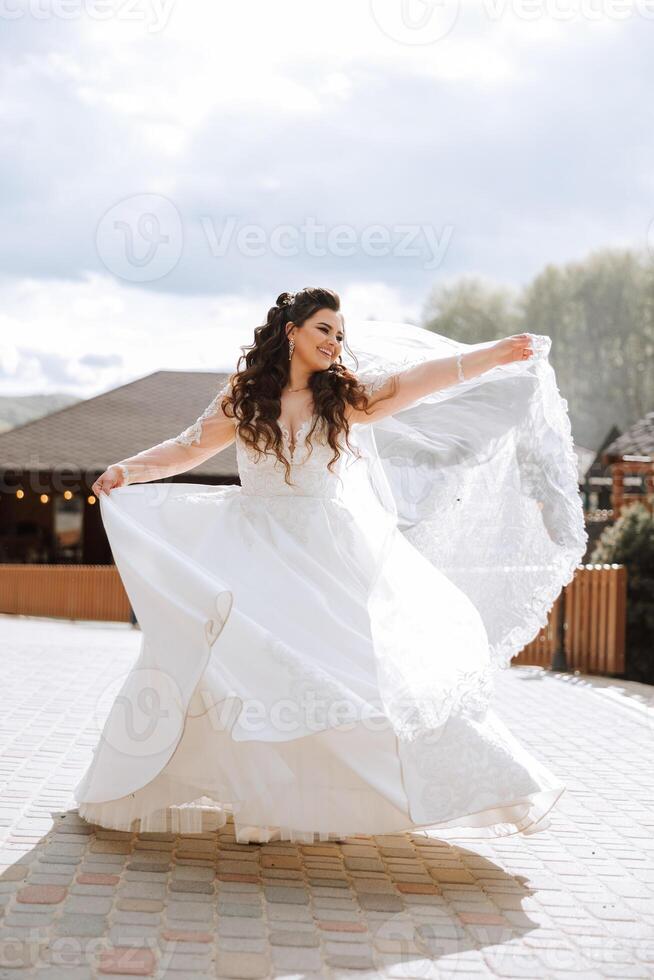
{"points": [[518, 347]]}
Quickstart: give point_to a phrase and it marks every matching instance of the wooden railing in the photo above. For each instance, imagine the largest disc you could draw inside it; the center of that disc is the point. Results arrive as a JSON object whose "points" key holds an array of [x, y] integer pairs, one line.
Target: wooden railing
{"points": [[67, 591], [594, 606]]}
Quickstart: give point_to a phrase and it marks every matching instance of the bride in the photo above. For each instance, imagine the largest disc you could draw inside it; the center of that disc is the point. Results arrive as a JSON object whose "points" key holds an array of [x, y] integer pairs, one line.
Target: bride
{"points": [[319, 644]]}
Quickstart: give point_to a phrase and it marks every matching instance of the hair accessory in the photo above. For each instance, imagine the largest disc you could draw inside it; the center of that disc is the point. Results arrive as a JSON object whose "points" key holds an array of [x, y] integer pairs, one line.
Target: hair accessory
{"points": [[290, 299]]}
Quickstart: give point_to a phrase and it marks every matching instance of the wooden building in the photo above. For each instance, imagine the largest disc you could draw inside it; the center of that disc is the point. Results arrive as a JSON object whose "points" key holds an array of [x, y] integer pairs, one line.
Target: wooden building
{"points": [[48, 513], [631, 459], [596, 490]]}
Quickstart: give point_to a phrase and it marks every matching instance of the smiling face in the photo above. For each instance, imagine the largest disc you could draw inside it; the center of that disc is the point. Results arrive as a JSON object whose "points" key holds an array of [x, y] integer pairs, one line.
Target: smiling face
{"points": [[319, 341]]}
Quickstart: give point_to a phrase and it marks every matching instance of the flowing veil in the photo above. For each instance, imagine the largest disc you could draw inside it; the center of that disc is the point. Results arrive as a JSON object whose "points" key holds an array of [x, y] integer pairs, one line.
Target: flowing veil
{"points": [[482, 479]]}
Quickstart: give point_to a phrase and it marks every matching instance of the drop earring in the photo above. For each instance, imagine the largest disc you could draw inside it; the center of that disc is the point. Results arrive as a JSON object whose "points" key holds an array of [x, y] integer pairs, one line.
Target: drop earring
{"points": [[291, 347]]}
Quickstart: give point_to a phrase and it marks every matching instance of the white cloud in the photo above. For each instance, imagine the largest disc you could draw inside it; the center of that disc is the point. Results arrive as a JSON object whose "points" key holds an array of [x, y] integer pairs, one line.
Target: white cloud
{"points": [[517, 132], [84, 338]]}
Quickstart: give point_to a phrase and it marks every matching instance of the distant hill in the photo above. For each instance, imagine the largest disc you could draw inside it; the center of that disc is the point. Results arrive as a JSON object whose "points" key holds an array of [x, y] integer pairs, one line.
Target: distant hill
{"points": [[18, 409]]}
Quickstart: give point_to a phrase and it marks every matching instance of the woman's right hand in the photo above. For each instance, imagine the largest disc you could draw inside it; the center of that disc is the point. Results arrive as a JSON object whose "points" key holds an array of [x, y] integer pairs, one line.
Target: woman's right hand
{"points": [[113, 476]]}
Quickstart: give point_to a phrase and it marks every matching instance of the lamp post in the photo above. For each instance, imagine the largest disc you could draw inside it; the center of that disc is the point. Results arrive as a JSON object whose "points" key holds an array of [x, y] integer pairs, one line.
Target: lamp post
{"points": [[559, 661]]}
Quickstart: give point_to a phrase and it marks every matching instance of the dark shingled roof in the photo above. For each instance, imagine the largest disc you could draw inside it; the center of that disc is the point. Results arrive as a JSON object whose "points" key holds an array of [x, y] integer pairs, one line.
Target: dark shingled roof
{"points": [[636, 441], [95, 432]]}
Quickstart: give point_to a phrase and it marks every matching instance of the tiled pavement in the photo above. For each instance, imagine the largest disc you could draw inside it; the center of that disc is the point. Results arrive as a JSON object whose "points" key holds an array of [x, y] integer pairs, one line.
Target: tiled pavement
{"points": [[574, 901]]}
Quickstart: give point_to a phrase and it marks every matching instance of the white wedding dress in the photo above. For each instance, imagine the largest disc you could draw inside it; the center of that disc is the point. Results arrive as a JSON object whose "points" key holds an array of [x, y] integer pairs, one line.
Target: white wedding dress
{"points": [[317, 660]]}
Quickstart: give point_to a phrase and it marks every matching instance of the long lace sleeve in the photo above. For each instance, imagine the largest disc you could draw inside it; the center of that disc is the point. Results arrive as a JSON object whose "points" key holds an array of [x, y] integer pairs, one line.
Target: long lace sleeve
{"points": [[374, 378], [420, 377], [211, 432]]}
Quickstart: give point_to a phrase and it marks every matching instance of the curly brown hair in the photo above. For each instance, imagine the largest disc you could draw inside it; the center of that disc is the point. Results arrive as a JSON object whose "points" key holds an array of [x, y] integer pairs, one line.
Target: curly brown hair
{"points": [[255, 398]]}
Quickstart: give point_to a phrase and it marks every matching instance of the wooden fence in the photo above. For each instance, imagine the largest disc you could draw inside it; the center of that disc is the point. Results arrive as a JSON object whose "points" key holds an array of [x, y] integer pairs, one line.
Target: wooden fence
{"points": [[67, 591], [593, 605]]}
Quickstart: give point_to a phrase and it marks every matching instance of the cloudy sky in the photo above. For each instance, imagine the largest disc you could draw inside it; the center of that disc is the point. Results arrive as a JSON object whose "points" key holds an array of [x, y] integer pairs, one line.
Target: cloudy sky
{"points": [[170, 166]]}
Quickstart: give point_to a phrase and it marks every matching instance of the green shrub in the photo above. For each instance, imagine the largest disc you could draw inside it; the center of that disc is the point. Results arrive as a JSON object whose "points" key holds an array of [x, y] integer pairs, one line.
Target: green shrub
{"points": [[630, 541]]}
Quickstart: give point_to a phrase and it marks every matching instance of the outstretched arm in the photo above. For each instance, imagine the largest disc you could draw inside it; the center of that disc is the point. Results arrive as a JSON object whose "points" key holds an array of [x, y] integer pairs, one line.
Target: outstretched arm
{"points": [[391, 393], [211, 432]]}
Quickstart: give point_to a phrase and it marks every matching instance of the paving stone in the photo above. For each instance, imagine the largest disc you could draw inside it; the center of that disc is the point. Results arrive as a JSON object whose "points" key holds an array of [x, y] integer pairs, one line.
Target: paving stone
{"points": [[127, 961], [250, 897], [41, 894], [231, 908], [279, 893], [381, 903], [452, 875], [139, 905], [97, 879], [189, 911], [350, 962], [240, 888], [69, 850], [185, 873], [280, 937], [323, 902], [17, 872], [359, 850], [147, 867], [285, 861], [187, 963], [508, 965], [237, 867], [29, 920], [205, 887], [136, 918], [364, 864], [295, 959], [289, 913], [225, 877], [282, 876], [340, 894], [158, 878], [89, 904], [375, 886], [186, 936], [238, 944], [242, 966], [327, 880], [143, 889], [110, 847], [251, 928], [124, 934], [77, 924], [479, 917]]}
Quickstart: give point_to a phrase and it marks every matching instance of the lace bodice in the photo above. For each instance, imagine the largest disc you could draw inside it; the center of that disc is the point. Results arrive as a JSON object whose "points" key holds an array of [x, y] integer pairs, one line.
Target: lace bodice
{"points": [[261, 473], [264, 474]]}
